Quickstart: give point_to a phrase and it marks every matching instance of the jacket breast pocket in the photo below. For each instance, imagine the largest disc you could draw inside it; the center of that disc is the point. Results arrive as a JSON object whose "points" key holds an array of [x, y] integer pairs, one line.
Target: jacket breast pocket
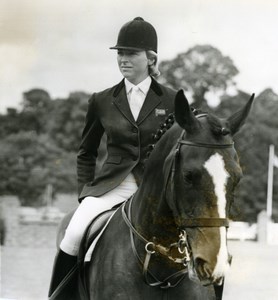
{"points": [[113, 159]]}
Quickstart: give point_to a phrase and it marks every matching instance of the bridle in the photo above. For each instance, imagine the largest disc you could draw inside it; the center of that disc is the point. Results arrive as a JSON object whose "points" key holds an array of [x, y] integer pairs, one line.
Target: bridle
{"points": [[152, 248], [182, 245], [193, 222]]}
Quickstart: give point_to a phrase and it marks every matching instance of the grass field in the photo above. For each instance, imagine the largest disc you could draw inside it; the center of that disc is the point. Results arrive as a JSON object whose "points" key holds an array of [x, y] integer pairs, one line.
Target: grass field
{"points": [[25, 273]]}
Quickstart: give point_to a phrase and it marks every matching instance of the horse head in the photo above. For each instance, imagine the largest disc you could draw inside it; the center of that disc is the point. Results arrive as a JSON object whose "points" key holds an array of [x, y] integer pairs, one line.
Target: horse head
{"points": [[201, 173]]}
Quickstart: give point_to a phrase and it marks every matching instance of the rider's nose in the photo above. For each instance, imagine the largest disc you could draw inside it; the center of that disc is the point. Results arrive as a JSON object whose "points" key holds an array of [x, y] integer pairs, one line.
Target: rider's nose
{"points": [[124, 58]]}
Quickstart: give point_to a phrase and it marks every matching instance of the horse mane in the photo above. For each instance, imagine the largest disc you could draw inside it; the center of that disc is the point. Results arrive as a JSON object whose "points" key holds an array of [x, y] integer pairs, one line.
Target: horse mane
{"points": [[216, 127], [167, 124]]}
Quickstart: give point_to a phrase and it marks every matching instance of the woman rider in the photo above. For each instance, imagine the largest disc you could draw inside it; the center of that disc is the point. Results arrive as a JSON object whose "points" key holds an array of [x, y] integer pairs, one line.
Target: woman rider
{"points": [[128, 113]]}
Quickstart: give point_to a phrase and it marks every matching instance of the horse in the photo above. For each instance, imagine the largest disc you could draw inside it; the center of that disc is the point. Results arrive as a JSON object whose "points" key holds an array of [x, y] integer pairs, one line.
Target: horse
{"points": [[169, 241]]}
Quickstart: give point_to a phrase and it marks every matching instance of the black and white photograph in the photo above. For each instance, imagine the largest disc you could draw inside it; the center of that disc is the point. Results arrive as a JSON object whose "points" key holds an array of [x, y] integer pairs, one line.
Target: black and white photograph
{"points": [[138, 150]]}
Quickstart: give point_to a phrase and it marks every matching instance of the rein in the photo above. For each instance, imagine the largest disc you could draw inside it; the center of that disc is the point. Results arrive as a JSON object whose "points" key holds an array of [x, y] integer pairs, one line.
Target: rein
{"points": [[152, 248], [182, 245]]}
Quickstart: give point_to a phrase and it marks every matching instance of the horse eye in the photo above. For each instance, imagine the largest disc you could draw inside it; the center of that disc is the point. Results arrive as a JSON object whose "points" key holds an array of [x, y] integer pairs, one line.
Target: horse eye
{"points": [[188, 177], [192, 176]]}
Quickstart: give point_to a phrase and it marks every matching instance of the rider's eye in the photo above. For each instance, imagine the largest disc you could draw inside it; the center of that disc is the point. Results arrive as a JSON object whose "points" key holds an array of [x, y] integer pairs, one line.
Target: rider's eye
{"points": [[121, 52]]}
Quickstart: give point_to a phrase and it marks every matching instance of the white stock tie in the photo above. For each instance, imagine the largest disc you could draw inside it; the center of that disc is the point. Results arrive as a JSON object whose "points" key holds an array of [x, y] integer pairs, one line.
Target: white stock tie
{"points": [[136, 101]]}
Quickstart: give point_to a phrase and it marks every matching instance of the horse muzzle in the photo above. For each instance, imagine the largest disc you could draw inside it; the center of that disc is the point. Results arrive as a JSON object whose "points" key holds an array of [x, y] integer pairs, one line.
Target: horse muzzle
{"points": [[200, 271]]}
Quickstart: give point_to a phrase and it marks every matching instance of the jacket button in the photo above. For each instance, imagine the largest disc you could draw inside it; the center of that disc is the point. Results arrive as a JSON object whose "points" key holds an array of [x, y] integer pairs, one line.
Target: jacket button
{"points": [[134, 130]]}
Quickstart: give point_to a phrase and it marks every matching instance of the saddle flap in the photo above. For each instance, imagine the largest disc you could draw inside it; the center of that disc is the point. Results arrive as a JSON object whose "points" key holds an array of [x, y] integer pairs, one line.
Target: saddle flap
{"points": [[92, 232]]}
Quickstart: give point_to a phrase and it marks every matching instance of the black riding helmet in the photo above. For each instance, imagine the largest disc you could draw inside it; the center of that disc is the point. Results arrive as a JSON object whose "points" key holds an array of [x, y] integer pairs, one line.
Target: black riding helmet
{"points": [[137, 35]]}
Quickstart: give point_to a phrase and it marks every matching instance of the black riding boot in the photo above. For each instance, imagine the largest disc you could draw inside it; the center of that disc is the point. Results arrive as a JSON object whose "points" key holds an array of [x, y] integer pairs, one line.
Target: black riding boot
{"points": [[63, 284]]}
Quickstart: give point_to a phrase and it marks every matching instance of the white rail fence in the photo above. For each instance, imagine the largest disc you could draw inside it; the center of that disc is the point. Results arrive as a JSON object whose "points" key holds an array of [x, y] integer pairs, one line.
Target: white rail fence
{"points": [[264, 231]]}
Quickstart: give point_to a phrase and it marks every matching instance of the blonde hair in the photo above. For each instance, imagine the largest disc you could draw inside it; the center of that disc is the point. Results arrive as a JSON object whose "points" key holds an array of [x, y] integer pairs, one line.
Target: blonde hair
{"points": [[153, 68]]}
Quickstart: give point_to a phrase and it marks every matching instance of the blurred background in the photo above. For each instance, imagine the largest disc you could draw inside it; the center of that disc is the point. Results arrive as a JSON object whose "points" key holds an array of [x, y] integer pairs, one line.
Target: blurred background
{"points": [[54, 54]]}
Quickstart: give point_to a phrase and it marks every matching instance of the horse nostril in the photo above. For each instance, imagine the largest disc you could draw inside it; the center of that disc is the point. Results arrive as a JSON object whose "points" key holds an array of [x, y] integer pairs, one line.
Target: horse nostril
{"points": [[219, 281], [202, 268]]}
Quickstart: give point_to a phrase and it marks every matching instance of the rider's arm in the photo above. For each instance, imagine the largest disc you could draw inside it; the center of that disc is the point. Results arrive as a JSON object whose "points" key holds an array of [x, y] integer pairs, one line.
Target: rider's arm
{"points": [[87, 154]]}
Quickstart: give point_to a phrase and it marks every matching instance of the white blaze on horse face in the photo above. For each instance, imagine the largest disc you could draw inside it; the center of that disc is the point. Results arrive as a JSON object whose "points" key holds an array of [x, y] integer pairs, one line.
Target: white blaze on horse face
{"points": [[216, 168]]}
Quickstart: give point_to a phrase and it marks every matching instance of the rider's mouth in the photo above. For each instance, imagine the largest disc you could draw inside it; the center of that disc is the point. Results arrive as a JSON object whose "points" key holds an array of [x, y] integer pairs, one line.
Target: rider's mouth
{"points": [[125, 67]]}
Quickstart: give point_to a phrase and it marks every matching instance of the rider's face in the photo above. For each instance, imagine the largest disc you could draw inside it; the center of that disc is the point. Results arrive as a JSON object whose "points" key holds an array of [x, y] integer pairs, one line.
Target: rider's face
{"points": [[133, 65]]}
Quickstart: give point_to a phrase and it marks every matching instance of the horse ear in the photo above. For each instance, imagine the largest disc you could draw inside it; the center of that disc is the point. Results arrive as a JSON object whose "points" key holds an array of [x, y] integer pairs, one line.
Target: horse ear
{"points": [[183, 114], [236, 121]]}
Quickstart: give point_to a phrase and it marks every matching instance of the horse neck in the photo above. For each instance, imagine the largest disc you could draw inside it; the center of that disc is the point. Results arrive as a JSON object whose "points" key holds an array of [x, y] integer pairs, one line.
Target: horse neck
{"points": [[151, 214]]}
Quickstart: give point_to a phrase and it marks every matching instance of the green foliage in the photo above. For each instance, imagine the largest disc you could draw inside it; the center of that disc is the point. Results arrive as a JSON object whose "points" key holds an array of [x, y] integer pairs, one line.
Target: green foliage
{"points": [[29, 162], [67, 120], [252, 143], [199, 70], [204, 68], [39, 144], [33, 116], [36, 107]]}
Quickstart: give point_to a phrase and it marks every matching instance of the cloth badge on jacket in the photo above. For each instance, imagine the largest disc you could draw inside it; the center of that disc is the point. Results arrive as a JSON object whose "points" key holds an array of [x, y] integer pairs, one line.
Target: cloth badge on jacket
{"points": [[160, 112]]}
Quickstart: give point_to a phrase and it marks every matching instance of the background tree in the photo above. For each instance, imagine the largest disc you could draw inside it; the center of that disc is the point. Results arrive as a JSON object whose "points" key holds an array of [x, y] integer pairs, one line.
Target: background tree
{"points": [[10, 123], [33, 116], [252, 144], [201, 69], [36, 107], [39, 142], [38, 145], [29, 162], [67, 120]]}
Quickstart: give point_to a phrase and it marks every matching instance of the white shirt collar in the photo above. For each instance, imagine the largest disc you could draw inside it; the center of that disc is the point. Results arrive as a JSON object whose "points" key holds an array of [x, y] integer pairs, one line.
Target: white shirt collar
{"points": [[144, 85]]}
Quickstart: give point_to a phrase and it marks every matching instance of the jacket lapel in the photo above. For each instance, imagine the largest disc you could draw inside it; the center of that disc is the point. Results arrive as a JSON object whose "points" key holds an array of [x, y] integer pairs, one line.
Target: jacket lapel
{"points": [[151, 102], [121, 102]]}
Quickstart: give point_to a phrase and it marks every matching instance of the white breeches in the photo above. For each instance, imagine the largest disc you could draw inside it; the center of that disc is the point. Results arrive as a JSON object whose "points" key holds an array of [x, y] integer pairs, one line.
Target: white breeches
{"points": [[89, 208]]}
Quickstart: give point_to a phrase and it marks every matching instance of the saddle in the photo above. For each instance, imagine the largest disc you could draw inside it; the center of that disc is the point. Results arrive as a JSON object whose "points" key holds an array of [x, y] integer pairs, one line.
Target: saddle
{"points": [[90, 234], [92, 231], [74, 285]]}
